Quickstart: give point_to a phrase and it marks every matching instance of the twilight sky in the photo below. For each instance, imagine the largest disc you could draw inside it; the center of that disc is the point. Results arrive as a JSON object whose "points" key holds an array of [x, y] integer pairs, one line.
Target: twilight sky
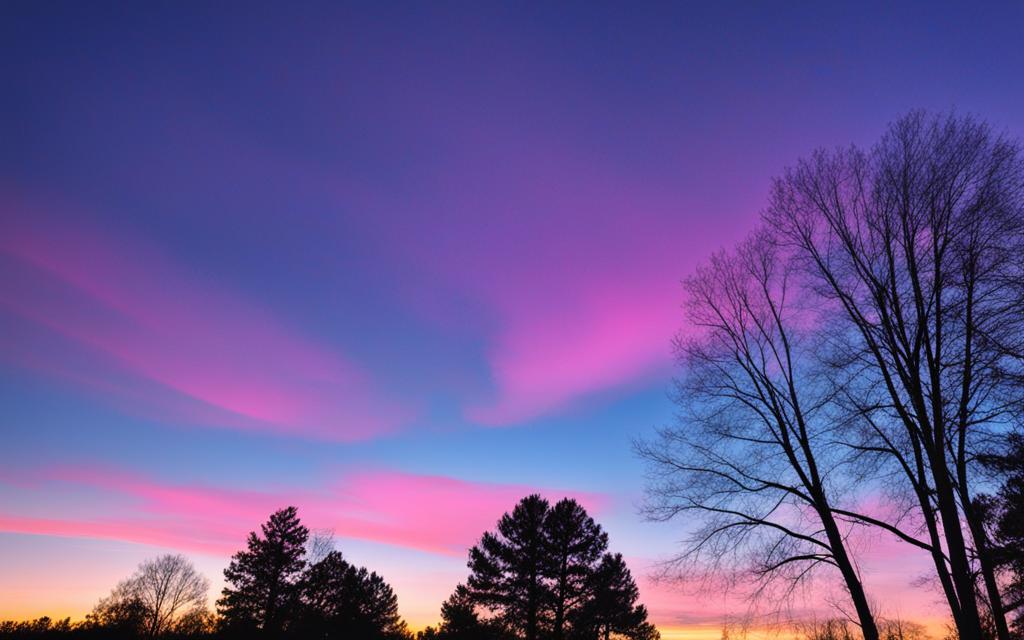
{"points": [[398, 264]]}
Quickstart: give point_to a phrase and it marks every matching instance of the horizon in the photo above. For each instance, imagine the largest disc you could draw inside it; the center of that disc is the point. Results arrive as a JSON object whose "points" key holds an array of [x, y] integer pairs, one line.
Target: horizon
{"points": [[402, 265]]}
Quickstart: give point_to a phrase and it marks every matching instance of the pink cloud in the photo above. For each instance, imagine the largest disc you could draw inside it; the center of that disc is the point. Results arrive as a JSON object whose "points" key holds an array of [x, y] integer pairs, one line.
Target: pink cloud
{"points": [[156, 533], [432, 513], [147, 331], [541, 363], [436, 514], [574, 265]]}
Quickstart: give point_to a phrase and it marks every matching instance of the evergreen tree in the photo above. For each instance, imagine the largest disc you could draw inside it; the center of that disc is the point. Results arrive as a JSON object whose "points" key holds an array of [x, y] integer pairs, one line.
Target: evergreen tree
{"points": [[460, 620], [612, 609], [375, 606], [574, 544], [343, 601], [544, 573], [261, 591], [1004, 515], [508, 569], [322, 596]]}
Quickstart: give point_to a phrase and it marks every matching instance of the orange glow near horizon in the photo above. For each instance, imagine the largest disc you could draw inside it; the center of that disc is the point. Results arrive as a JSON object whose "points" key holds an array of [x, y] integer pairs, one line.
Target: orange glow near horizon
{"points": [[75, 594]]}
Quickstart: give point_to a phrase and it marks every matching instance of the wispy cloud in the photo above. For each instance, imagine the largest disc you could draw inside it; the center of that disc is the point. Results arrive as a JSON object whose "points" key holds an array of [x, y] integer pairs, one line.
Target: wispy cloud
{"points": [[574, 271], [436, 514], [147, 332]]}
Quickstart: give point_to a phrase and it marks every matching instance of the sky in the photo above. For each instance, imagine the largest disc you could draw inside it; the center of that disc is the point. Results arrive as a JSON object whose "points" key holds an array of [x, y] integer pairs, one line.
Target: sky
{"points": [[399, 264]]}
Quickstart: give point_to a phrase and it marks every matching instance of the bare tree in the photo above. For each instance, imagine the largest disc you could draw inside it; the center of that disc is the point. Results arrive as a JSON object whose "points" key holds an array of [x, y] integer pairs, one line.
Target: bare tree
{"points": [[319, 545], [164, 591], [917, 246], [832, 629], [751, 456], [899, 629]]}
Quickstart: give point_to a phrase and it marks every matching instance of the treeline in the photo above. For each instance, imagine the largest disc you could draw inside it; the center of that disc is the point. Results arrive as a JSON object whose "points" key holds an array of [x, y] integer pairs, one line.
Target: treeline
{"points": [[843, 629], [544, 573]]}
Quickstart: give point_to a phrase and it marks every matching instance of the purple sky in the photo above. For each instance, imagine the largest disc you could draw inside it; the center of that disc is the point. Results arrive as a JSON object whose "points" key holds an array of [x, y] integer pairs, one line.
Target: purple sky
{"points": [[396, 263]]}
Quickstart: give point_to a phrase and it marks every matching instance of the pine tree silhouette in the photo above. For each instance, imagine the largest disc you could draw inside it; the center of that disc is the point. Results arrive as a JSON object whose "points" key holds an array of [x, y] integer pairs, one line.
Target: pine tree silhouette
{"points": [[261, 591], [508, 568], [574, 544]]}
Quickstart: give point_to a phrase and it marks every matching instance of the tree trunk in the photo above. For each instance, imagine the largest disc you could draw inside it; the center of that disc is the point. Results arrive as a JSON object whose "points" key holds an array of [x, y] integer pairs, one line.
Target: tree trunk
{"points": [[531, 609], [853, 584], [987, 570], [960, 568], [939, 560], [560, 603]]}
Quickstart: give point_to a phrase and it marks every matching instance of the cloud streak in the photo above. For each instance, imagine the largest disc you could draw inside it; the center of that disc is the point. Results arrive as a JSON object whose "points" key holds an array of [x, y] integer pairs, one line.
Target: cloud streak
{"points": [[149, 333], [576, 295], [436, 514]]}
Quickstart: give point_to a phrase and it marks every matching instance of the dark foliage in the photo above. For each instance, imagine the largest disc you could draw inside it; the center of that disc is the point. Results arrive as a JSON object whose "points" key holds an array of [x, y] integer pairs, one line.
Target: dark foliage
{"points": [[339, 600], [1004, 515], [508, 569], [123, 623], [574, 544], [460, 621], [542, 575], [272, 593], [612, 608], [262, 580]]}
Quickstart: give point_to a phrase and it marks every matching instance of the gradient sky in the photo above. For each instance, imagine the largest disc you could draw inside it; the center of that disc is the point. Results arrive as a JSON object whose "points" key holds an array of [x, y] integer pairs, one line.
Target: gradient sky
{"points": [[398, 264]]}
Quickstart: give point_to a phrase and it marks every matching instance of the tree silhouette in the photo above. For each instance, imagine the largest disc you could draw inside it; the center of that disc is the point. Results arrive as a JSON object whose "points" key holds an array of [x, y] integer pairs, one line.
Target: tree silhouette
{"points": [[197, 623], [916, 247], [508, 568], [376, 604], [164, 595], [164, 598], [272, 592], [543, 575], [1004, 516], [612, 609], [261, 591], [339, 600], [44, 627], [869, 338], [318, 545], [460, 621], [171, 590], [833, 629], [755, 443], [122, 614], [574, 544]]}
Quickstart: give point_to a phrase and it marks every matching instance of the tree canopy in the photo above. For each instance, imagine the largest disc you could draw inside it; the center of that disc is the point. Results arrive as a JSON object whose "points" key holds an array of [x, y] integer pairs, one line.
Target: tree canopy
{"points": [[274, 592], [261, 592], [543, 571], [165, 595]]}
